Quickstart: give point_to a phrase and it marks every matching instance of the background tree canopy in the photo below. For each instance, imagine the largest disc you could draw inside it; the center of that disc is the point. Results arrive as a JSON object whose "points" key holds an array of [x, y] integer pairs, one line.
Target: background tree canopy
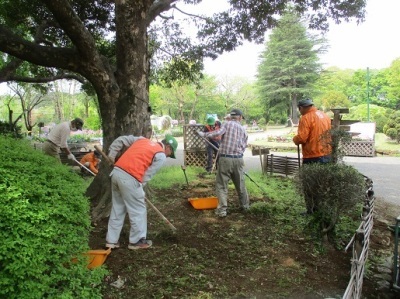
{"points": [[107, 45]]}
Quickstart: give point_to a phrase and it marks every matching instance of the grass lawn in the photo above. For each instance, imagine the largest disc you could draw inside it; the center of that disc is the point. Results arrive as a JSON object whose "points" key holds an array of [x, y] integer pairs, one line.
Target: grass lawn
{"points": [[385, 145]]}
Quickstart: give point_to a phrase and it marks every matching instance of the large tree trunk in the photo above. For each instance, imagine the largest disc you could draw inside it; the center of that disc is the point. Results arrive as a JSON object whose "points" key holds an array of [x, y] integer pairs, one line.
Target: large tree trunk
{"points": [[124, 99]]}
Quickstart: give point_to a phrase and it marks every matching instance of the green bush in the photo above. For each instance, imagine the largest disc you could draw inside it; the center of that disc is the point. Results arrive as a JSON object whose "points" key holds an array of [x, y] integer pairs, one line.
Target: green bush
{"points": [[79, 138], [330, 190], [261, 121], [44, 225], [392, 133], [380, 121], [93, 122], [10, 130], [392, 127]]}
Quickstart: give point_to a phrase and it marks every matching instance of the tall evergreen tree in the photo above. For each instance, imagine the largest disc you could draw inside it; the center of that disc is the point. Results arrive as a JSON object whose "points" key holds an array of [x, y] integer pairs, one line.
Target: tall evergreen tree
{"points": [[289, 66]]}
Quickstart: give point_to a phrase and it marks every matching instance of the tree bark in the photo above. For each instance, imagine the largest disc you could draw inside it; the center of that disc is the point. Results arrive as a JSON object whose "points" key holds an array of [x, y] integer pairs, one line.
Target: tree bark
{"points": [[295, 117], [124, 99]]}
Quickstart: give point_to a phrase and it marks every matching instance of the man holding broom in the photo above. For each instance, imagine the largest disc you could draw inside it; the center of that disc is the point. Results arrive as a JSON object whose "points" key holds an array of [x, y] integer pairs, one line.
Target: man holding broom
{"points": [[230, 163], [132, 171]]}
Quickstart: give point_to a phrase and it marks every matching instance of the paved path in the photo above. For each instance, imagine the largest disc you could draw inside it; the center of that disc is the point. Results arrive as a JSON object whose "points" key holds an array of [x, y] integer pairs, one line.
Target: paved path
{"points": [[384, 171]]}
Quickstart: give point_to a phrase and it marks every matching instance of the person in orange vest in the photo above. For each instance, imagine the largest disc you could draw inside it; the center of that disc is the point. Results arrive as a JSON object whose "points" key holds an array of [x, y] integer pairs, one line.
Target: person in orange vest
{"points": [[132, 171], [212, 125], [91, 160], [312, 133]]}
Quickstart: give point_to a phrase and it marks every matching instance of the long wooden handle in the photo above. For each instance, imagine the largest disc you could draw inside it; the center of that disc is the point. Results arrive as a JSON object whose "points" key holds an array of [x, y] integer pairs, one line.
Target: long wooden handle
{"points": [[85, 167], [104, 155], [298, 154], [161, 215], [147, 200]]}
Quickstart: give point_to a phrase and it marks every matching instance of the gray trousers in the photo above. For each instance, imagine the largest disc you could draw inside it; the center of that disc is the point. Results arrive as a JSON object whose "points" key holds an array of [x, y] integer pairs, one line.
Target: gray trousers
{"points": [[230, 169], [51, 149], [127, 197]]}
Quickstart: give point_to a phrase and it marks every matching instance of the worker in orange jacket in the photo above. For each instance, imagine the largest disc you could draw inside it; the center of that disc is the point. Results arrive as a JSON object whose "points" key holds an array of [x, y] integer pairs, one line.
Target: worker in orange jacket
{"points": [[313, 133], [91, 160]]}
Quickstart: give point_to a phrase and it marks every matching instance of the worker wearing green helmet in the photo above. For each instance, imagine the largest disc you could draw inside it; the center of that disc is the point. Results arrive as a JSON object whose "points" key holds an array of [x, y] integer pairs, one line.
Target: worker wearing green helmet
{"points": [[212, 125]]}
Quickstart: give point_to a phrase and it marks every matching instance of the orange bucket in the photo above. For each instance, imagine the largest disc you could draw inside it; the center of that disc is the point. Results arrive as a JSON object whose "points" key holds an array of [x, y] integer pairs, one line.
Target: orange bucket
{"points": [[97, 257], [204, 203]]}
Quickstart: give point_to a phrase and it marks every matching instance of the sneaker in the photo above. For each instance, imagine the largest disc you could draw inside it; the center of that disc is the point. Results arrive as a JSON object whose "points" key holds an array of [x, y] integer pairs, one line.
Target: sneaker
{"points": [[220, 213], [141, 244], [112, 245]]}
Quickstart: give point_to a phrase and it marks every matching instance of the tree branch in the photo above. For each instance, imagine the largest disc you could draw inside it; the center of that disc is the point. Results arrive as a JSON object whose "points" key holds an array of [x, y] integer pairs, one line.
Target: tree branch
{"points": [[9, 69], [209, 20], [46, 56], [43, 79], [157, 8], [39, 36], [73, 27]]}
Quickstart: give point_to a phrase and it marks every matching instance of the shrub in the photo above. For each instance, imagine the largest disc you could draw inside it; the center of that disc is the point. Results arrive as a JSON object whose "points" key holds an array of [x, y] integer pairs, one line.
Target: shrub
{"points": [[392, 127], [261, 121], [380, 121], [330, 190], [10, 130], [337, 138], [79, 138], [392, 133], [44, 224]]}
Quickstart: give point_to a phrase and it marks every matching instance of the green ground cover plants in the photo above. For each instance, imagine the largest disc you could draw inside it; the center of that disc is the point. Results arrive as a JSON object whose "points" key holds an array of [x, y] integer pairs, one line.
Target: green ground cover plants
{"points": [[44, 227]]}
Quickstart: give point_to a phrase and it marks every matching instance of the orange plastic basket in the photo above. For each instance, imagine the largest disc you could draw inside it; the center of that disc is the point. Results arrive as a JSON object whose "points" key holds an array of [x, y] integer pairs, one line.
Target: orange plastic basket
{"points": [[204, 203], [96, 258]]}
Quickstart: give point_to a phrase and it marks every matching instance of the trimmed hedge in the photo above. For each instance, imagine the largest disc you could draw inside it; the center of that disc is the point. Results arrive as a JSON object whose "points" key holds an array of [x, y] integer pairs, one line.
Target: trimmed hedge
{"points": [[331, 191], [44, 224]]}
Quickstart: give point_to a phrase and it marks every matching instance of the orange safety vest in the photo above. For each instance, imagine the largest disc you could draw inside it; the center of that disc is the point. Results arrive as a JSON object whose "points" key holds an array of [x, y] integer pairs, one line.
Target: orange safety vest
{"points": [[138, 157]]}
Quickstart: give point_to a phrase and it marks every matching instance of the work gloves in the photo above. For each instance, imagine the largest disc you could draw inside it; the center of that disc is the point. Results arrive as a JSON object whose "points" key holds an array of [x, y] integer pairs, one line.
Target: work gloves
{"points": [[71, 157], [201, 134]]}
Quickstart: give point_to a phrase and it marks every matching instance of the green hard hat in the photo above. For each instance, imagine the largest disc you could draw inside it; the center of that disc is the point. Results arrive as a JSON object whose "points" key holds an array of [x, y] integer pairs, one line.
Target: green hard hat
{"points": [[211, 121]]}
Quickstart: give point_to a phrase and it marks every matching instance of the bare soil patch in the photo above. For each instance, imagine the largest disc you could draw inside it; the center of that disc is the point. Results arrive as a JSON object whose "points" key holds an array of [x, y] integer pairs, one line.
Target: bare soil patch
{"points": [[244, 255]]}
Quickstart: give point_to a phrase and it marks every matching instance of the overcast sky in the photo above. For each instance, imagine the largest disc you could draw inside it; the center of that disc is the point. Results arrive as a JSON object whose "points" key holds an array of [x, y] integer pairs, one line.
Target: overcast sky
{"points": [[374, 44]]}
